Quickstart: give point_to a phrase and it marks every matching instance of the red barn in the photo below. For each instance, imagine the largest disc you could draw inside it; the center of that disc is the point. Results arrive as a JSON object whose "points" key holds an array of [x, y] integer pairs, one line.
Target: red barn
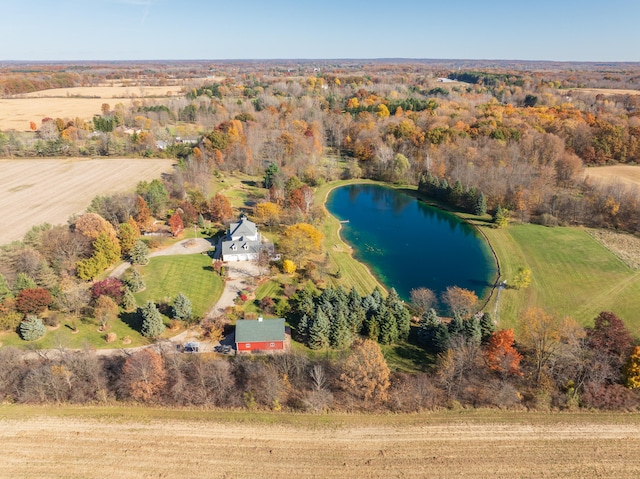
{"points": [[260, 335]]}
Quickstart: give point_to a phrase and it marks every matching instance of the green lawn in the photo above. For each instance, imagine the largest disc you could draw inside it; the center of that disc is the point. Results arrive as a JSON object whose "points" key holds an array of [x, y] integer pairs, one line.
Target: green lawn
{"points": [[166, 276], [87, 336], [572, 275]]}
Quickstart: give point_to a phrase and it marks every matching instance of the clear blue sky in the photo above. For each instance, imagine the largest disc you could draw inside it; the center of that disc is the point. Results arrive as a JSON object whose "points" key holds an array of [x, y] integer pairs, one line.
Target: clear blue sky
{"points": [[579, 30]]}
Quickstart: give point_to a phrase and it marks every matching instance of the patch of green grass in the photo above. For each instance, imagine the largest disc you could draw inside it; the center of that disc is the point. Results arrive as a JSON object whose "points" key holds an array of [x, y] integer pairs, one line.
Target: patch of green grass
{"points": [[242, 190], [407, 358], [88, 336], [166, 276], [572, 275]]}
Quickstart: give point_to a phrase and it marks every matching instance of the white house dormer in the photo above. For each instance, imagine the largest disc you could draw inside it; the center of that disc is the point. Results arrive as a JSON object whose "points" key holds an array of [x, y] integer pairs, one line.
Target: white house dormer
{"points": [[245, 246], [234, 247]]}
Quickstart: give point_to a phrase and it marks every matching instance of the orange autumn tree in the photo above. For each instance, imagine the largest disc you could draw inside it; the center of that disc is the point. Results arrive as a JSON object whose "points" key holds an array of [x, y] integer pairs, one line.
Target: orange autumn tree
{"points": [[500, 354], [220, 208]]}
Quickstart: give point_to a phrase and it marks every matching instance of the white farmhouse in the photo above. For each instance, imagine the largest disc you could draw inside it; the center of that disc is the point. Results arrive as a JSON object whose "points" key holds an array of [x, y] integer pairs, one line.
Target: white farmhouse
{"points": [[241, 243]]}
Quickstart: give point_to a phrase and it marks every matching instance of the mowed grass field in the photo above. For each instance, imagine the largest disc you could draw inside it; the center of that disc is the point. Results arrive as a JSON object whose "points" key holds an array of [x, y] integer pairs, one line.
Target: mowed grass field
{"points": [[624, 174], [192, 275], [352, 272], [132, 442], [80, 102], [572, 275], [35, 191]]}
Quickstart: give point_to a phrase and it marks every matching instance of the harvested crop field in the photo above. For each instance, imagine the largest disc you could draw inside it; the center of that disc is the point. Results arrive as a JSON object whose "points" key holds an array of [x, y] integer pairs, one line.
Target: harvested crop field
{"points": [[625, 174], [34, 191], [79, 102], [157, 443]]}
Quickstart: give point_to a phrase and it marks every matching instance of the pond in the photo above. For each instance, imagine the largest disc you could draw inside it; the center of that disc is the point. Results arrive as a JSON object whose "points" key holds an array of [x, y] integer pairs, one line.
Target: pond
{"points": [[408, 244]]}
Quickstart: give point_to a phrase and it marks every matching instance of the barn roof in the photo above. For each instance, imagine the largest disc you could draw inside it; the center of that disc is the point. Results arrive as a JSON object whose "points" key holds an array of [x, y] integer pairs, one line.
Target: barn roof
{"points": [[259, 331]]}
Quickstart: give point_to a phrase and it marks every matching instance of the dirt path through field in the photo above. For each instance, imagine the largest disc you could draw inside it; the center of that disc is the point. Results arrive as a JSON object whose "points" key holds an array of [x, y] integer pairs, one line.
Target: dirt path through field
{"points": [[76, 447]]}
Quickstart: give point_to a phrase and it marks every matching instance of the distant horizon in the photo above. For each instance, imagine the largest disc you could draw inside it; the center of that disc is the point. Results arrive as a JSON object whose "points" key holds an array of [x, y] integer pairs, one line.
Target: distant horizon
{"points": [[319, 59], [568, 31]]}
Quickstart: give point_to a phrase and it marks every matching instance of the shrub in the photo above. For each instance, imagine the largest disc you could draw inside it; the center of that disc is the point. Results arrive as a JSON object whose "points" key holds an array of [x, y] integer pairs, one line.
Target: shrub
{"points": [[10, 320], [111, 287], [110, 337], [31, 328]]}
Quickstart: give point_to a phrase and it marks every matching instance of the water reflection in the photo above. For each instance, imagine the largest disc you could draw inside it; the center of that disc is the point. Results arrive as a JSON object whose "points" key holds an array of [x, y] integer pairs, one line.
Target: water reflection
{"points": [[408, 244]]}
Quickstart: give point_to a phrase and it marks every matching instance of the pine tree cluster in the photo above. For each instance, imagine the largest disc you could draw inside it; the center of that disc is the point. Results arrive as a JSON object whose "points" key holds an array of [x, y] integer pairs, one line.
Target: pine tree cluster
{"points": [[436, 335], [469, 199], [336, 318]]}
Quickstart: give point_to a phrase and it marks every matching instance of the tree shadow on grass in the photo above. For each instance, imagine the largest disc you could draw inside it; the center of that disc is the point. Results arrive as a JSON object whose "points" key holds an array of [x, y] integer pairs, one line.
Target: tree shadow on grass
{"points": [[132, 319], [415, 357], [207, 268]]}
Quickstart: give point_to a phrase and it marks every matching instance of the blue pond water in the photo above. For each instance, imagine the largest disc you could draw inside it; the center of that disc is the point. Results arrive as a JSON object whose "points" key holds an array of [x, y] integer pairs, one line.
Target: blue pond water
{"points": [[408, 244]]}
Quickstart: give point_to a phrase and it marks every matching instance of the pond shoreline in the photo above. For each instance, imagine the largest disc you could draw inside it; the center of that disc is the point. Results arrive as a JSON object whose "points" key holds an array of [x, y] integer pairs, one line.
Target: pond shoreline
{"points": [[490, 254]]}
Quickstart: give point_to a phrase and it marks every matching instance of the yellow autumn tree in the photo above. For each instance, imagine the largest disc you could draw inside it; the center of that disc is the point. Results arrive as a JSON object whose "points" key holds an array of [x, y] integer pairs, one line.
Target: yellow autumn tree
{"points": [[268, 213], [365, 372], [632, 369], [300, 241], [288, 266]]}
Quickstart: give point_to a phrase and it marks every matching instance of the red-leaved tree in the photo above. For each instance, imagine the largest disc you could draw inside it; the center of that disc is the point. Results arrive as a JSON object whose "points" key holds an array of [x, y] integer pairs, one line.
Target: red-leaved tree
{"points": [[33, 300], [176, 224], [111, 287]]}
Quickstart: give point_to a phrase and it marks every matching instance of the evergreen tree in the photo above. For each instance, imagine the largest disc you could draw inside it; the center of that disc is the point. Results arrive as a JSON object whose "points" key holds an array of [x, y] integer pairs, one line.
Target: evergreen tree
{"points": [[152, 325], [128, 300], [45, 276], [200, 220], [443, 191], [319, 331], [23, 281], [5, 291], [106, 247], [32, 328], [303, 328], [480, 206], [457, 193], [182, 308], [487, 326], [472, 329], [134, 281], [371, 328], [139, 253], [354, 300], [356, 320], [377, 296], [269, 175], [387, 324], [369, 305], [501, 217], [340, 335], [441, 338], [428, 324], [456, 326], [400, 313]]}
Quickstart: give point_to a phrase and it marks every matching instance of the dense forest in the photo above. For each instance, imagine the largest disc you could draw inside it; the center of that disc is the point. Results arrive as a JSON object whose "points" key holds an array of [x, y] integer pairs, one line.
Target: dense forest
{"points": [[508, 139], [521, 137]]}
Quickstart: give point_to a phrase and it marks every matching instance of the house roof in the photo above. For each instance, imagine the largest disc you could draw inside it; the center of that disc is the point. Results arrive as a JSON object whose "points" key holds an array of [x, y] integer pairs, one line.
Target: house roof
{"points": [[252, 247], [259, 331], [242, 228]]}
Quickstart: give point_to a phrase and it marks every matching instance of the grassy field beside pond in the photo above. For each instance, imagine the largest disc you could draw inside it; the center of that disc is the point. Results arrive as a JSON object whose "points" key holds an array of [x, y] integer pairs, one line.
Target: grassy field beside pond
{"points": [[572, 275], [166, 276]]}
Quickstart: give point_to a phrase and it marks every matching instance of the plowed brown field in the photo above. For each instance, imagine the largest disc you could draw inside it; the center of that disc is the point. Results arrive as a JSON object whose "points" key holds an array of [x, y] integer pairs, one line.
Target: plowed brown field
{"points": [[625, 174], [217, 445], [33, 192]]}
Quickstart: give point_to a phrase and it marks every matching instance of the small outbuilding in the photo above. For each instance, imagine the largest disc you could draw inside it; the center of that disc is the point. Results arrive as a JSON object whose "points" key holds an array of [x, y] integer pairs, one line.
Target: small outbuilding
{"points": [[260, 335]]}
